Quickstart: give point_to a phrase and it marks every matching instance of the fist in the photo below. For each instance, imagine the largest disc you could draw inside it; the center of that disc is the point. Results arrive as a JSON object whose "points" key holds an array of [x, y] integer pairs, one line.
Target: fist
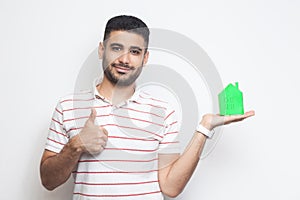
{"points": [[92, 138]]}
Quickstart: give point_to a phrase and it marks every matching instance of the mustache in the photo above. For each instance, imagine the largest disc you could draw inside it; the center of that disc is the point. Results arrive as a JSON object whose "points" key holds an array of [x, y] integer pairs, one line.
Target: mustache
{"points": [[122, 65]]}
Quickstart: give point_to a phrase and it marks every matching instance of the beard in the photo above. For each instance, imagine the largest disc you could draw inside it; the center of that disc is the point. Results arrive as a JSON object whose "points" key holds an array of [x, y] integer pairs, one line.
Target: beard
{"points": [[121, 79]]}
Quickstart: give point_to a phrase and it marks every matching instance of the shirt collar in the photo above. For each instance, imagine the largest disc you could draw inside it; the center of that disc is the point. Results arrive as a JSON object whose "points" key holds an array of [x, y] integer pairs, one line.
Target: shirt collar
{"points": [[97, 95]]}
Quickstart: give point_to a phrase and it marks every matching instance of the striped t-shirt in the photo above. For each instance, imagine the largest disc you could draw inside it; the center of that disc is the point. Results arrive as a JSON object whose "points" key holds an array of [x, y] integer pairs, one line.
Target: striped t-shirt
{"points": [[138, 130]]}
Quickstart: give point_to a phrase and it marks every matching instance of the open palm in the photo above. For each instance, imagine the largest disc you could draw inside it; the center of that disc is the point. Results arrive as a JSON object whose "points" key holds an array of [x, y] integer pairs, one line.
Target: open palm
{"points": [[212, 120]]}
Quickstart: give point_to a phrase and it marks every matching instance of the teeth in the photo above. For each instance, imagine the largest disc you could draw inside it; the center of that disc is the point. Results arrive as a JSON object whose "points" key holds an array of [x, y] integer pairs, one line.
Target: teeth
{"points": [[122, 70]]}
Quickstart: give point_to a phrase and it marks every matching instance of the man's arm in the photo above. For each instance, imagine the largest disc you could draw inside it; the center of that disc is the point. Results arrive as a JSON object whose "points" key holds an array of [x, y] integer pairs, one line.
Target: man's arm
{"points": [[174, 170], [56, 168]]}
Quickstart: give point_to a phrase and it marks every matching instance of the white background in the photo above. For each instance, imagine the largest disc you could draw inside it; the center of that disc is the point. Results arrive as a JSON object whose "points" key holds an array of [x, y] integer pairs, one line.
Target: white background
{"points": [[43, 45]]}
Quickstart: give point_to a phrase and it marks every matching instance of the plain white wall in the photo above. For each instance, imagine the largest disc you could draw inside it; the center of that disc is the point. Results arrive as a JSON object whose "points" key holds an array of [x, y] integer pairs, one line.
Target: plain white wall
{"points": [[44, 44]]}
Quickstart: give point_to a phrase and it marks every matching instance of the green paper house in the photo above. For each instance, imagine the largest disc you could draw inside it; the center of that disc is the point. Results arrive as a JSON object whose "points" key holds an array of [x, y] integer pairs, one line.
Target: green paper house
{"points": [[231, 100]]}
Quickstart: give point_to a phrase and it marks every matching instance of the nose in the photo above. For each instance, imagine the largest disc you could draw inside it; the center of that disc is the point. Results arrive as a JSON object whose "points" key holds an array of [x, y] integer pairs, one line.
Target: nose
{"points": [[124, 58]]}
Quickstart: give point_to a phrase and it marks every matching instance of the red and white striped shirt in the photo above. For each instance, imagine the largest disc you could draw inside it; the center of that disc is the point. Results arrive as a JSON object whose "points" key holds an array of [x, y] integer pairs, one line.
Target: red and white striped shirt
{"points": [[138, 130]]}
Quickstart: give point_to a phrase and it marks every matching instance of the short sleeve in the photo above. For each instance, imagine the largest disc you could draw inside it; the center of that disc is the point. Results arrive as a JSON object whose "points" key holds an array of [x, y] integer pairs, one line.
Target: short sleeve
{"points": [[57, 136], [170, 142]]}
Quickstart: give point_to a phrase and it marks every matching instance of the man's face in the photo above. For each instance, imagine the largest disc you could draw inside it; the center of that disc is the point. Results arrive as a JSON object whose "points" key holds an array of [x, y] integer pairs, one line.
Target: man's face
{"points": [[123, 55]]}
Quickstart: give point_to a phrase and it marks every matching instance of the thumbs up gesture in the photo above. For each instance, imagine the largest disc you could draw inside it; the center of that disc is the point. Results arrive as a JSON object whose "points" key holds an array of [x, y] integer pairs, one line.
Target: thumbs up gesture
{"points": [[92, 138]]}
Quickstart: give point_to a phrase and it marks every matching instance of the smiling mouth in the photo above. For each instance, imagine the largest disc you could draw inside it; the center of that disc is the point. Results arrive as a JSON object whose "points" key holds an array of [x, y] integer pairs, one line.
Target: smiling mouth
{"points": [[122, 70]]}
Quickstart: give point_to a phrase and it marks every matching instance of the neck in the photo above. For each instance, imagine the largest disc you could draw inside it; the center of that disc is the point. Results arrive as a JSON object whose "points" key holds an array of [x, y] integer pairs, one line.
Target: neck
{"points": [[114, 93]]}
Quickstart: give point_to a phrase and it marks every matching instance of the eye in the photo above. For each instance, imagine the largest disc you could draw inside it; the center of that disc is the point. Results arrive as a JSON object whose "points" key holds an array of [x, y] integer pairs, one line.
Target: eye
{"points": [[135, 52], [116, 48]]}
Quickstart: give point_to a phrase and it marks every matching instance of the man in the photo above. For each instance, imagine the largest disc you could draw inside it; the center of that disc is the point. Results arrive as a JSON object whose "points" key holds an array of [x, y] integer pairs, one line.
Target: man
{"points": [[121, 143]]}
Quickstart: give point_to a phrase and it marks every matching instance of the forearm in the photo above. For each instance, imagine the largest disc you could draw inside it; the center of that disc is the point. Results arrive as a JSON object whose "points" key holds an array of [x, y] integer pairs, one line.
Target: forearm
{"points": [[56, 170], [174, 177], [182, 169]]}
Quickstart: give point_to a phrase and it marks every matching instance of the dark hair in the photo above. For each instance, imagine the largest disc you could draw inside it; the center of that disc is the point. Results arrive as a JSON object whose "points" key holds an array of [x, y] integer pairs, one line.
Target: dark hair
{"points": [[127, 23]]}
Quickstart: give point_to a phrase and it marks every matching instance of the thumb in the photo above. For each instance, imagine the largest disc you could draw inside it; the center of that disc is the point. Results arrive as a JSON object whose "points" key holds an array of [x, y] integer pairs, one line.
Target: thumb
{"points": [[93, 115]]}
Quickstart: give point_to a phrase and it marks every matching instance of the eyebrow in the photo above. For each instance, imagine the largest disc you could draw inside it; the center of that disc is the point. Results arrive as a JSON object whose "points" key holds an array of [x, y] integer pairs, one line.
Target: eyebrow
{"points": [[116, 44], [136, 47], [131, 47]]}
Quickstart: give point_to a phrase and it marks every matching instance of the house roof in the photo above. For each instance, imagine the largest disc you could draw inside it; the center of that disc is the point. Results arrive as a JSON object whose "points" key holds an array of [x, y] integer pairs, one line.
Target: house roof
{"points": [[231, 88]]}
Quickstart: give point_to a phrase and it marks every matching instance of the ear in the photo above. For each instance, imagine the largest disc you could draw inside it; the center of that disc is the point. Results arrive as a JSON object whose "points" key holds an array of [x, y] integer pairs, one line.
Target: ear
{"points": [[100, 50], [146, 56]]}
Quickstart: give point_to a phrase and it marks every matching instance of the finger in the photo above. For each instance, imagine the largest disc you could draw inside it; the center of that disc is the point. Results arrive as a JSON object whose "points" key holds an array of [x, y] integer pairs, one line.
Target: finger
{"points": [[237, 118], [102, 143], [244, 116], [104, 131], [93, 115], [250, 113]]}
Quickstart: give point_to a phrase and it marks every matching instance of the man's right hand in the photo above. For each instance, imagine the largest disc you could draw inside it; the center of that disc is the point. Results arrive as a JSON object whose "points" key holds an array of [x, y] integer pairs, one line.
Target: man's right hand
{"points": [[92, 138]]}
